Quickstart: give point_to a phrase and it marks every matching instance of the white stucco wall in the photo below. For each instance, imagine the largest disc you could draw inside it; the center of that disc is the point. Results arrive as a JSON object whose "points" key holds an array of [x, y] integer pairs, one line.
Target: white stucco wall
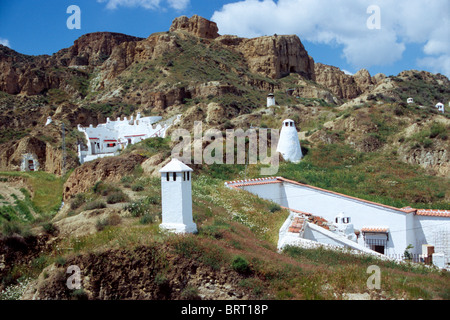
{"points": [[177, 203], [327, 205], [433, 231]]}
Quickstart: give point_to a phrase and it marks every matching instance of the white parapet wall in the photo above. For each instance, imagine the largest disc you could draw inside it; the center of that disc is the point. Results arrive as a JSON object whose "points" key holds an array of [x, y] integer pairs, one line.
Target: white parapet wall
{"points": [[381, 228], [108, 138]]}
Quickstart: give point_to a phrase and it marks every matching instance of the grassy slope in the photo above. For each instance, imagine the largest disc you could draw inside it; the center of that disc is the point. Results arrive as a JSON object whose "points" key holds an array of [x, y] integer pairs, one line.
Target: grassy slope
{"points": [[238, 232], [45, 200]]}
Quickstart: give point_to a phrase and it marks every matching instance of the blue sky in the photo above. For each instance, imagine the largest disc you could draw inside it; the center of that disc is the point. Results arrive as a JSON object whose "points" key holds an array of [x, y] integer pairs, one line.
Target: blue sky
{"points": [[412, 34]]}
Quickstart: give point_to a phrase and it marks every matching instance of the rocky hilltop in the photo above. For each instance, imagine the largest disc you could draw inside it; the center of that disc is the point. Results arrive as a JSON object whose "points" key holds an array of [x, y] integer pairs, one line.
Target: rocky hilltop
{"points": [[358, 134], [225, 77]]}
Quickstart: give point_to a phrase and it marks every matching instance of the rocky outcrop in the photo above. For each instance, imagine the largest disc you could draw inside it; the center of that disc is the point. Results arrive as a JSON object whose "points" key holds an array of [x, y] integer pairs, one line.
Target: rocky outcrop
{"points": [[363, 80], [340, 84], [106, 169], [196, 25], [436, 160], [274, 56], [33, 75], [92, 49]]}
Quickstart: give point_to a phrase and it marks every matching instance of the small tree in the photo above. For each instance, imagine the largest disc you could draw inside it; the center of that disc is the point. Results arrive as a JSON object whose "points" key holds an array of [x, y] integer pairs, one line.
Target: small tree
{"points": [[407, 254]]}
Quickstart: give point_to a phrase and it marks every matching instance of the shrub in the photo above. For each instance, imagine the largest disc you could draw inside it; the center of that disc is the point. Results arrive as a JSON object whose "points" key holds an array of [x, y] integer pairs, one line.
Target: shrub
{"points": [[273, 207], [104, 189], [80, 198], [146, 219], [97, 204], [12, 227], [60, 261], [138, 186], [49, 228], [240, 265], [79, 294], [117, 197], [112, 220], [190, 293]]}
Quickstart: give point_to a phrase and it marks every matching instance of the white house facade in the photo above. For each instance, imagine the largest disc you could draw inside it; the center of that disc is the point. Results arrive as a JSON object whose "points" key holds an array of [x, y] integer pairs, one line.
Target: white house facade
{"points": [[384, 229], [108, 138]]}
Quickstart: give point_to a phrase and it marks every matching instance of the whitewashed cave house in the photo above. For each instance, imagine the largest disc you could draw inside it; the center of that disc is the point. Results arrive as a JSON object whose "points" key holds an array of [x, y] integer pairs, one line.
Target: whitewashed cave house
{"points": [[350, 222], [29, 162], [107, 139]]}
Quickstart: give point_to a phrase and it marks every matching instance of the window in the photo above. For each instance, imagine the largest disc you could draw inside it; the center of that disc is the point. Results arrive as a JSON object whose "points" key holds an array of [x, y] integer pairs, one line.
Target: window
{"points": [[167, 176], [187, 175], [174, 176], [184, 176], [377, 245]]}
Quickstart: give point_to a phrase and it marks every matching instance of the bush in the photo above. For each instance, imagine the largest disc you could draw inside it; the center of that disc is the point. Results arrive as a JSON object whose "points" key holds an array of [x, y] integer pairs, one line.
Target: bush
{"points": [[138, 186], [112, 220], [146, 219], [97, 204], [274, 207], [80, 198], [190, 293], [103, 188], [117, 197], [12, 227], [79, 294], [49, 228], [240, 265]]}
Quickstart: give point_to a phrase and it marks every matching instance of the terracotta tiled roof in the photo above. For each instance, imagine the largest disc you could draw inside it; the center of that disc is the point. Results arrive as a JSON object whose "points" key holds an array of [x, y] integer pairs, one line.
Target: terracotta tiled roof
{"points": [[252, 182], [296, 225], [408, 209], [433, 213], [375, 229], [268, 180], [298, 211]]}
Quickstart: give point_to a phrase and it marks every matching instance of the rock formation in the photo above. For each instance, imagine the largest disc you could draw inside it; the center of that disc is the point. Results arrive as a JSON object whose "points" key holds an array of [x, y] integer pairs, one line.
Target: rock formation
{"points": [[198, 26]]}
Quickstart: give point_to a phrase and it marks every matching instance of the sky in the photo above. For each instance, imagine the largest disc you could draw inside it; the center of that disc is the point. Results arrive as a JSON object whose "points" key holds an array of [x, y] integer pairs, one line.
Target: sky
{"points": [[382, 36]]}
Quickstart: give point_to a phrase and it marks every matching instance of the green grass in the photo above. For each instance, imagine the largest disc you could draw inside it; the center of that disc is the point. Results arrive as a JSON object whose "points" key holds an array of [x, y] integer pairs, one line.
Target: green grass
{"points": [[45, 200], [7, 135]]}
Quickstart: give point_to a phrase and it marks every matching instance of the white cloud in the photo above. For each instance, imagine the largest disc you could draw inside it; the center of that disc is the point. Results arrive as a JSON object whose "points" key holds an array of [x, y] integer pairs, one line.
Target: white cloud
{"points": [[345, 23], [146, 4], [347, 72], [439, 64], [5, 42], [178, 4]]}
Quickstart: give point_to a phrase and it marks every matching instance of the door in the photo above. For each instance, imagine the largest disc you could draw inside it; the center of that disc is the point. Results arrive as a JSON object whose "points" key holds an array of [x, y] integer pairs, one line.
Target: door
{"points": [[379, 249], [31, 165]]}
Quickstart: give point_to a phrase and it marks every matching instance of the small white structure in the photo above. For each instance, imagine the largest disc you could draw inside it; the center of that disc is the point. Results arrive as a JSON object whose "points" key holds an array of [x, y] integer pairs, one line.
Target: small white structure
{"points": [[49, 120], [380, 228], [343, 226], [440, 106], [289, 144], [107, 139], [29, 163], [270, 100], [176, 194], [410, 100]]}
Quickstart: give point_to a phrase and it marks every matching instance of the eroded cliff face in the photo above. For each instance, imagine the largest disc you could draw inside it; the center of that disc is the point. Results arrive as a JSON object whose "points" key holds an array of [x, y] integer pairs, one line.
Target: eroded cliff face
{"points": [[106, 169], [195, 25], [34, 75], [275, 56], [340, 84]]}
